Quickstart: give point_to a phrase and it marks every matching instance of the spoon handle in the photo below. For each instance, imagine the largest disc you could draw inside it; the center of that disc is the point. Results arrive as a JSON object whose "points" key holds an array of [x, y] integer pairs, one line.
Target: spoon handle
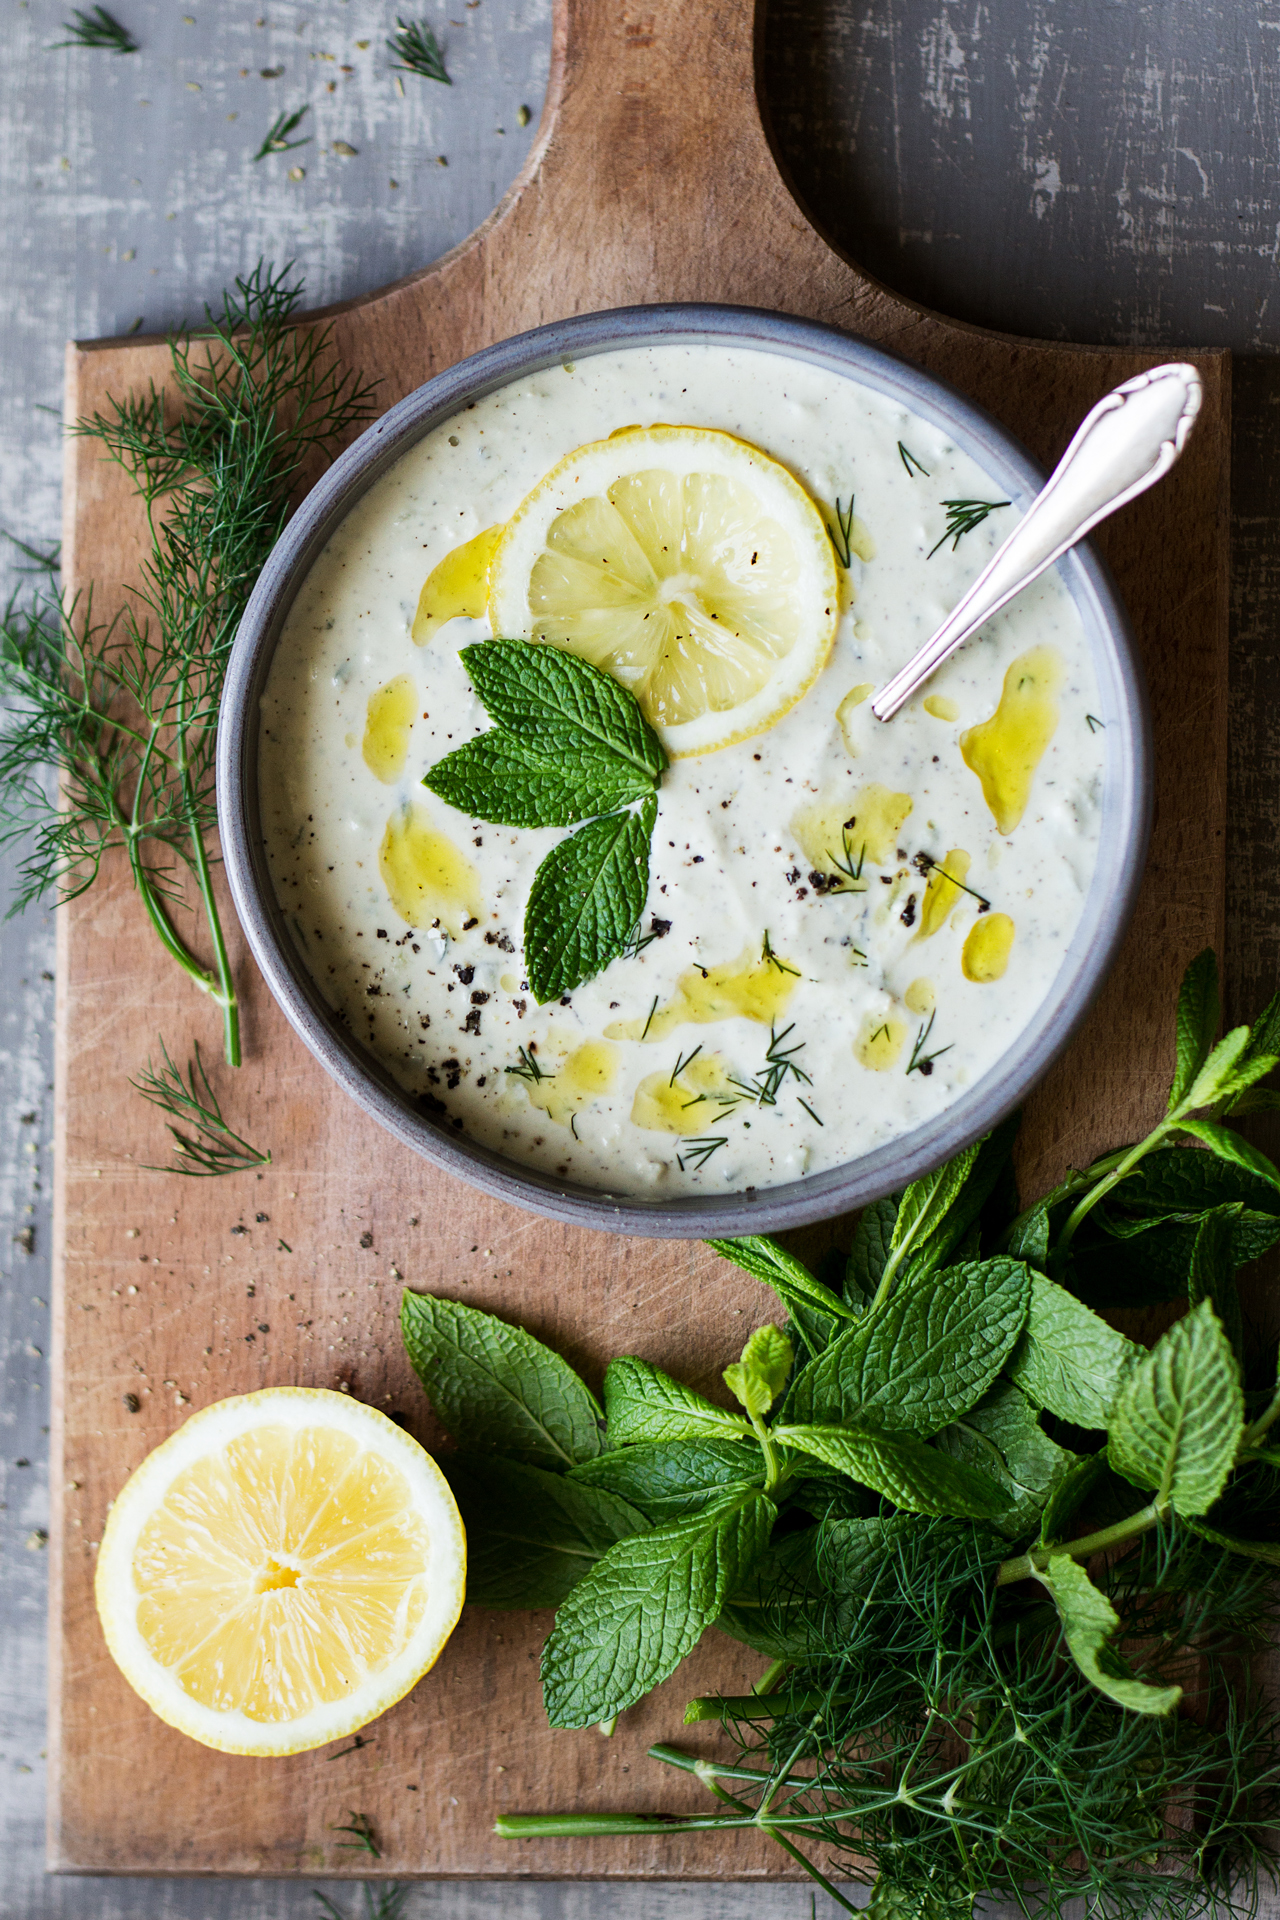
{"points": [[1128, 442]]}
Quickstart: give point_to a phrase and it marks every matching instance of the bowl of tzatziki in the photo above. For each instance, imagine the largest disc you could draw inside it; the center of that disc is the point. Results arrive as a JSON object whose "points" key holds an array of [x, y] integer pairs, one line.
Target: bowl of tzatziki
{"points": [[554, 807]]}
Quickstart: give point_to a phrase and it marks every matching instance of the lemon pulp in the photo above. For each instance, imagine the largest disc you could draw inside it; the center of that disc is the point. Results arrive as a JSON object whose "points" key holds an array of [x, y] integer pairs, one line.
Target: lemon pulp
{"points": [[280, 1571], [687, 564]]}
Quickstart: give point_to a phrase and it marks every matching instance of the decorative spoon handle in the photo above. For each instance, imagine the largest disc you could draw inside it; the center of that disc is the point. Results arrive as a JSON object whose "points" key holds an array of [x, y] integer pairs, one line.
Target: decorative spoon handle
{"points": [[1128, 442]]}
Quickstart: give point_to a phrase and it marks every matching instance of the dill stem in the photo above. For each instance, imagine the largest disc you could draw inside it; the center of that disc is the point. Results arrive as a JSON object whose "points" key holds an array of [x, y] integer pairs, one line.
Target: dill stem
{"points": [[1027, 1565], [223, 989], [706, 1772]]}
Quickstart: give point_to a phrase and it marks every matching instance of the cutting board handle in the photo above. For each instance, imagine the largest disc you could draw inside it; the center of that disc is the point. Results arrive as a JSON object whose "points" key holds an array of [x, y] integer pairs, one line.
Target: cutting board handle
{"points": [[652, 159]]}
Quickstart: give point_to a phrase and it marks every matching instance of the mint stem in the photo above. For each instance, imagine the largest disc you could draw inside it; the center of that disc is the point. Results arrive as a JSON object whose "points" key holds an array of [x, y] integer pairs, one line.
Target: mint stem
{"points": [[1027, 1565]]}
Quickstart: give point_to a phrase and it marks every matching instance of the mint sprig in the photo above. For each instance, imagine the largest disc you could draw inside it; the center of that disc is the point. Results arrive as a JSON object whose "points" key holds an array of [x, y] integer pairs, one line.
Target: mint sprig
{"points": [[569, 745]]}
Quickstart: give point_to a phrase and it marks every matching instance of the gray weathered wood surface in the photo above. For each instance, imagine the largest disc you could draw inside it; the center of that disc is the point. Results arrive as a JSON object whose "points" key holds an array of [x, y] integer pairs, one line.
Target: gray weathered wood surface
{"points": [[1068, 169]]}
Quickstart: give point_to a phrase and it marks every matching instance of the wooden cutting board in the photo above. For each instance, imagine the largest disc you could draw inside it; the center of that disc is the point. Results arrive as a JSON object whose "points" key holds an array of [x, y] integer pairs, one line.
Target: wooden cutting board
{"points": [[652, 179]]}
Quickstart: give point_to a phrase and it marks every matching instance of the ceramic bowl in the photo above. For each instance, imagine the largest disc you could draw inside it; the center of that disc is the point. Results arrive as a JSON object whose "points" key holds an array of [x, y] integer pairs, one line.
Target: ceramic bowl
{"points": [[1126, 802]]}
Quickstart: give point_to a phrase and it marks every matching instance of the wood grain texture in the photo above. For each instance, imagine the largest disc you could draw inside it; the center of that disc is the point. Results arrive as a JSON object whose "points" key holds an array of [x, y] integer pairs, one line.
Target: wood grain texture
{"points": [[652, 179]]}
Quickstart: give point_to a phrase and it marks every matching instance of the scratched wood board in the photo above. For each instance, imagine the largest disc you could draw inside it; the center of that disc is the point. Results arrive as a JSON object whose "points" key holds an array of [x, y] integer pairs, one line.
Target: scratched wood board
{"points": [[652, 179]]}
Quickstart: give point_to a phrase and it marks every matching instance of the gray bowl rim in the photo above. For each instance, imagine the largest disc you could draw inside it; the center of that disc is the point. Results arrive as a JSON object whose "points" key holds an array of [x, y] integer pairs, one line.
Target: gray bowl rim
{"points": [[1109, 902]]}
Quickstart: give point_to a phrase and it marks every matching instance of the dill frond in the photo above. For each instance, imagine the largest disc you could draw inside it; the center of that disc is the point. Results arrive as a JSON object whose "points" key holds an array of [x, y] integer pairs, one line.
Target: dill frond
{"points": [[109, 737], [842, 533], [363, 1840], [529, 1068], [920, 1061], [698, 1152], [213, 1146], [277, 139], [417, 50], [937, 1735], [962, 517], [98, 29], [380, 1902]]}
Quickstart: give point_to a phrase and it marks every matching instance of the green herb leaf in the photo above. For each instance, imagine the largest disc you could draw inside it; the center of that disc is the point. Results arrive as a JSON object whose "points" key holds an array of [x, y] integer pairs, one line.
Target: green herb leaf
{"points": [[1069, 1495], [585, 900], [1230, 1145], [532, 1535], [1003, 1438], [757, 1379], [1218, 1070], [560, 705], [1068, 1359], [1088, 1622], [628, 1625], [1029, 1237], [1178, 1422], [499, 778], [767, 1609], [851, 1553], [1267, 1550], [1178, 1180], [1212, 1276], [1199, 1010], [903, 1469], [774, 1267], [923, 1357], [643, 1403], [672, 1480], [494, 1387], [872, 1238], [923, 1208]]}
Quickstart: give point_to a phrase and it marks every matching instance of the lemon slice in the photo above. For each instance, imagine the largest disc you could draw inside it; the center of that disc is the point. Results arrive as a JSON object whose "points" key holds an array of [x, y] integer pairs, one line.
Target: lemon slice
{"points": [[280, 1571], [687, 564]]}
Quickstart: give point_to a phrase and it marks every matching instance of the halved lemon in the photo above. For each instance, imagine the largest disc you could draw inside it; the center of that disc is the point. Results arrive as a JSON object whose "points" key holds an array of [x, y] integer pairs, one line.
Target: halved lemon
{"points": [[280, 1571], [692, 567]]}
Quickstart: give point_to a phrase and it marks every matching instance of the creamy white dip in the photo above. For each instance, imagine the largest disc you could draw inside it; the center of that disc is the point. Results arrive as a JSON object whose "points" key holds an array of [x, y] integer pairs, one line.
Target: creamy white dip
{"points": [[858, 975]]}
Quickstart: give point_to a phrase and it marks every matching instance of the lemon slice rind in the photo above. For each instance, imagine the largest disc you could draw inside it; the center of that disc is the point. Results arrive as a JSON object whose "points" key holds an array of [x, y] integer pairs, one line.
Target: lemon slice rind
{"points": [[199, 1438], [786, 645]]}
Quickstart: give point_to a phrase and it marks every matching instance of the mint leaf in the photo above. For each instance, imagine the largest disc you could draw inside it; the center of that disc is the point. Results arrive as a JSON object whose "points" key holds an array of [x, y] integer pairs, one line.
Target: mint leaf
{"points": [[643, 1403], [1199, 1009], [494, 1387], [1178, 1422], [1268, 1550], [924, 1356], [923, 1207], [1088, 1622], [1178, 1180], [1029, 1237], [767, 1611], [501, 779], [870, 1248], [672, 1480], [1217, 1071], [904, 1470], [585, 901], [1212, 1276], [1230, 1145], [1068, 1359], [531, 1535], [1003, 1438], [560, 705], [626, 1627], [756, 1380], [1069, 1495], [774, 1267], [851, 1553]]}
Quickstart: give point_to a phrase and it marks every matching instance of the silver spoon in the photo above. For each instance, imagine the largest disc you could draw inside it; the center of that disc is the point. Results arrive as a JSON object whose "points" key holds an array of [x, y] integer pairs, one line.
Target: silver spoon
{"points": [[1128, 442]]}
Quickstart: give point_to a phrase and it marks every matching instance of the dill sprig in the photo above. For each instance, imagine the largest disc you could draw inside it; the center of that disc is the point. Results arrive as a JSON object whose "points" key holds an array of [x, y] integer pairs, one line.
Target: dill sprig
{"points": [[779, 1062], [920, 1061], [910, 462], [936, 866], [932, 1736], [852, 871], [98, 29], [1093, 722], [842, 533], [417, 50], [123, 713], [962, 517], [363, 1840], [698, 1152], [528, 1068], [380, 1902], [214, 1147], [277, 139], [682, 1061], [768, 955]]}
